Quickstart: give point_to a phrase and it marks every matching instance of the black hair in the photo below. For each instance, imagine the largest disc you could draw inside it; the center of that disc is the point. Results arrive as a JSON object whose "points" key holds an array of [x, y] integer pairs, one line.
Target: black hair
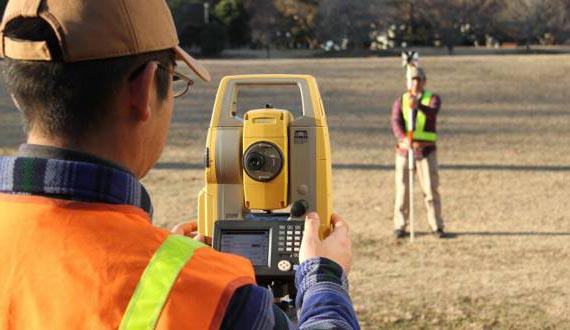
{"points": [[70, 100]]}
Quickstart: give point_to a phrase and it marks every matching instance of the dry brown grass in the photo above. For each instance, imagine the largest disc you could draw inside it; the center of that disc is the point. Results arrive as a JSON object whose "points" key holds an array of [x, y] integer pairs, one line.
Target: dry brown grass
{"points": [[505, 178]]}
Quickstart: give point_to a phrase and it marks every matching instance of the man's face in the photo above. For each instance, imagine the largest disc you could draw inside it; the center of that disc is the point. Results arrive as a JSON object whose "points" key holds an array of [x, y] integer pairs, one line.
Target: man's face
{"points": [[418, 85]]}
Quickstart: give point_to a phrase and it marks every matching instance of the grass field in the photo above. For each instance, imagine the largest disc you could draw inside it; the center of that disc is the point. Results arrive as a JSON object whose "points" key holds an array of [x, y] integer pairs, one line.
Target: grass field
{"points": [[505, 183]]}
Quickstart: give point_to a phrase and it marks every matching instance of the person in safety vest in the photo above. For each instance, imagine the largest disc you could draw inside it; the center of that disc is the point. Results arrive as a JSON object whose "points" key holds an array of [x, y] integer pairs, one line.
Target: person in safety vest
{"points": [[425, 106], [95, 81]]}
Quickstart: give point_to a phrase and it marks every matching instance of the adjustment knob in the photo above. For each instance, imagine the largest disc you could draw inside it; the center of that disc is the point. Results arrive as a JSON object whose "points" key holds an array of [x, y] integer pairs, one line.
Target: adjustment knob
{"points": [[299, 208], [284, 266]]}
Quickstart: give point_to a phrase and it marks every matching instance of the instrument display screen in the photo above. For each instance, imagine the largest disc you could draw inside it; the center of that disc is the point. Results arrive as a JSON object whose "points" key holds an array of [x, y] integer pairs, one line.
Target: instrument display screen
{"points": [[252, 244]]}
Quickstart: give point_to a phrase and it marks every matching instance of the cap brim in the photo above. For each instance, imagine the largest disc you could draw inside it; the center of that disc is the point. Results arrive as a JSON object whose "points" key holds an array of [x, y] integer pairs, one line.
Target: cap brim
{"points": [[192, 63]]}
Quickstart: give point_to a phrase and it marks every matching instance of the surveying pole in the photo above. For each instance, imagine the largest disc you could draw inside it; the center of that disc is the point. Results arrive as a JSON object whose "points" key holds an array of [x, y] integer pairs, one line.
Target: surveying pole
{"points": [[411, 164], [410, 59]]}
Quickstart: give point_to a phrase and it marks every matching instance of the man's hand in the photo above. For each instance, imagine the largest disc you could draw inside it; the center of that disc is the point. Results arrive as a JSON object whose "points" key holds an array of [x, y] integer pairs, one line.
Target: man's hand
{"points": [[412, 99], [404, 144], [336, 247], [189, 229]]}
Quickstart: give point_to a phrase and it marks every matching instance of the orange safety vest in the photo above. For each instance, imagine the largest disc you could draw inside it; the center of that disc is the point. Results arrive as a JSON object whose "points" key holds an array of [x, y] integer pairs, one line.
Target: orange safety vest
{"points": [[75, 265]]}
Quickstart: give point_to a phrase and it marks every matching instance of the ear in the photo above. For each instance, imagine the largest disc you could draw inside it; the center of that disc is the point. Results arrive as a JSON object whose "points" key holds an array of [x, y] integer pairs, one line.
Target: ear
{"points": [[140, 91]]}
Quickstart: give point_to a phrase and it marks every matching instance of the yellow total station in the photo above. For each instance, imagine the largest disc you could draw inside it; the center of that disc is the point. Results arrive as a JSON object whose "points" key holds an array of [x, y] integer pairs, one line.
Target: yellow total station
{"points": [[267, 161]]}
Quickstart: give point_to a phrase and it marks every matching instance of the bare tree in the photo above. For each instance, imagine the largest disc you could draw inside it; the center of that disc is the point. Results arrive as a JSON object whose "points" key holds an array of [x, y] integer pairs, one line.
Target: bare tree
{"points": [[532, 21], [264, 21], [445, 20], [300, 19], [351, 20]]}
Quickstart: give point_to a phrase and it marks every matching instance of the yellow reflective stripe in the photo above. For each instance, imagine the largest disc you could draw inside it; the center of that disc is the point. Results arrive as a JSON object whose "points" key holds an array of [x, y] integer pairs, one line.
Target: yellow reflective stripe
{"points": [[157, 280], [421, 117], [425, 136], [426, 98]]}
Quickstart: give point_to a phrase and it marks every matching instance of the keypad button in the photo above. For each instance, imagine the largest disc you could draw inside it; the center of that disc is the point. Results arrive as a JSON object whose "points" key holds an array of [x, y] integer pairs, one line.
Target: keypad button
{"points": [[290, 227], [282, 227], [289, 238], [295, 255], [289, 232], [296, 249], [288, 249], [281, 238], [280, 243], [297, 243], [280, 249], [297, 232], [297, 227], [289, 243], [297, 238]]}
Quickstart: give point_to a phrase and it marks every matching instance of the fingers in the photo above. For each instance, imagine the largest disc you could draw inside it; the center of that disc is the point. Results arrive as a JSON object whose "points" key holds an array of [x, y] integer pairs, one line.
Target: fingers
{"points": [[200, 238], [186, 229], [178, 229], [340, 227], [192, 226], [338, 223]]}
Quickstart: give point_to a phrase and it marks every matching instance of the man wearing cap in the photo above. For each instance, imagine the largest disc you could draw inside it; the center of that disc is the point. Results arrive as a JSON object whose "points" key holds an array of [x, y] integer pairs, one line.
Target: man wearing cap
{"points": [[425, 106], [95, 82]]}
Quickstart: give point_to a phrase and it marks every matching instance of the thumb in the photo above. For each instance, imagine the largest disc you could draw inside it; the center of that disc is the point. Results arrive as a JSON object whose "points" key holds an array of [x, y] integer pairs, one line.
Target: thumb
{"points": [[200, 238], [311, 225]]}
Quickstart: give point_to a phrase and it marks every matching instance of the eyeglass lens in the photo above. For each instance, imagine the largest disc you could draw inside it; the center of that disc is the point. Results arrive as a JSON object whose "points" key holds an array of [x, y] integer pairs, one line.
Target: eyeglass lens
{"points": [[179, 86]]}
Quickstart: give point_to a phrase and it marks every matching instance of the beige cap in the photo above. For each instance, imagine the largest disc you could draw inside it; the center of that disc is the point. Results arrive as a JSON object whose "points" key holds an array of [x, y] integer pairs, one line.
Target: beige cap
{"points": [[97, 29], [415, 72]]}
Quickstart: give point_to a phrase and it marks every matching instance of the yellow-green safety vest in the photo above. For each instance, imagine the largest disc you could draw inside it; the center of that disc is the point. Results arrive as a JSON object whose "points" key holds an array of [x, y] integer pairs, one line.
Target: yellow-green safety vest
{"points": [[419, 133]]}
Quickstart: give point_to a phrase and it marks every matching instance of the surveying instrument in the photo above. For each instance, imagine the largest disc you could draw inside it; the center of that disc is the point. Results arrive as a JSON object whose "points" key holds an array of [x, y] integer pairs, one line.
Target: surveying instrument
{"points": [[264, 171]]}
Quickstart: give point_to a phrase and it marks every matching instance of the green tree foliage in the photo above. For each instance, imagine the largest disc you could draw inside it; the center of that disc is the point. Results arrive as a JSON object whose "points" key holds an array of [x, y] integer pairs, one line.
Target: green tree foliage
{"points": [[232, 14]]}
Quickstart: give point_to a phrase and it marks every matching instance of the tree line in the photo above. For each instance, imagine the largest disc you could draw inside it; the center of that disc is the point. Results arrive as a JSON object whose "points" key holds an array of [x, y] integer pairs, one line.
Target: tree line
{"points": [[214, 25], [377, 24]]}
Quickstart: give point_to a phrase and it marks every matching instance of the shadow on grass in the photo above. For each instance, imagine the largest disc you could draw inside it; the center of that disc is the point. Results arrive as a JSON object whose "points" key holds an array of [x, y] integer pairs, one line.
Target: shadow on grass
{"points": [[452, 235], [463, 167], [508, 233], [456, 234], [389, 167]]}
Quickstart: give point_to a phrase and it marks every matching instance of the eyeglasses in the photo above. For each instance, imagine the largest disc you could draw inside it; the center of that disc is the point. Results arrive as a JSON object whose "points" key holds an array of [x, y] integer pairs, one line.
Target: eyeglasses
{"points": [[181, 84]]}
